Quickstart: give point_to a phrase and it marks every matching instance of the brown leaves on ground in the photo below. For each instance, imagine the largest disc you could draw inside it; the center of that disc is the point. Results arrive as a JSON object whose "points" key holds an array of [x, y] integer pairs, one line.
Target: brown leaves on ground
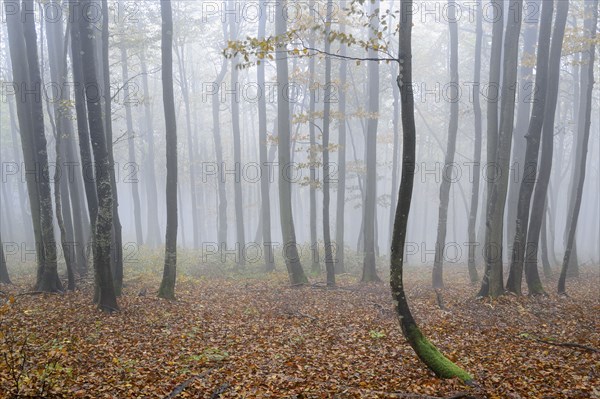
{"points": [[258, 338]]}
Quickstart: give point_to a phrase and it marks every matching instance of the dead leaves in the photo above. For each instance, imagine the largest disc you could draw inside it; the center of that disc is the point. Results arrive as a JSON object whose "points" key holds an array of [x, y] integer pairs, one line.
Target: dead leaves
{"points": [[261, 339]]}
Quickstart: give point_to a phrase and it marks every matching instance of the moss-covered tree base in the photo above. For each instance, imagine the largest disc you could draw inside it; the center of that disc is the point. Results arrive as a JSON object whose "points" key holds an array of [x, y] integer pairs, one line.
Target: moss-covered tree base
{"points": [[432, 357]]}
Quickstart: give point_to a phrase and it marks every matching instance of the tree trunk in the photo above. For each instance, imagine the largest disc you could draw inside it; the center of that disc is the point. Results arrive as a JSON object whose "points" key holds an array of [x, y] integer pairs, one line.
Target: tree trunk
{"points": [[534, 132], [540, 196], [116, 222], [526, 92], [329, 264], [312, 154], [237, 151], [369, 272], [341, 186], [4, 278], [135, 193], [497, 195], [265, 200], [437, 275], [292, 259], [106, 295], [183, 82], [583, 129], [493, 98], [426, 351], [48, 280], [153, 238], [477, 148], [167, 285], [222, 214]]}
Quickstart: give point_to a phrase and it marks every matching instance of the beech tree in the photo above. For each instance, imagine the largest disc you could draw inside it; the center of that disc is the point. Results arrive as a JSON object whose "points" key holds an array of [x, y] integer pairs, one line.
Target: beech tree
{"points": [[167, 285]]}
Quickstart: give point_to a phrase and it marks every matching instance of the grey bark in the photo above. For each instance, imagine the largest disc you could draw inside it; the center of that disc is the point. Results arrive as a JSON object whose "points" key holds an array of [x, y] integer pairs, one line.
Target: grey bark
{"points": [[167, 285]]}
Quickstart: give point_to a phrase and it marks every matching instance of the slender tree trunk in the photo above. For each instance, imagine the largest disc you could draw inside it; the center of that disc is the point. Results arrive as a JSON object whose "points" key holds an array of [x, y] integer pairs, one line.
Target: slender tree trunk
{"points": [[27, 227], [540, 195], [497, 195], [477, 148], [237, 151], [329, 264], [106, 295], [292, 258], [312, 153], [48, 280], [222, 214], [493, 98], [341, 186], [87, 162], [544, 246], [396, 132], [117, 248], [167, 286], [437, 275], [183, 81], [135, 193], [4, 278], [265, 201], [526, 92], [583, 128], [426, 351], [153, 238], [534, 132], [369, 267]]}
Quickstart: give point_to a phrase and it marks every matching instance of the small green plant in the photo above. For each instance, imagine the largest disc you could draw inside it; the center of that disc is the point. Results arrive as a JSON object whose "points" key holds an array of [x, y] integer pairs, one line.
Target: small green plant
{"points": [[374, 334]]}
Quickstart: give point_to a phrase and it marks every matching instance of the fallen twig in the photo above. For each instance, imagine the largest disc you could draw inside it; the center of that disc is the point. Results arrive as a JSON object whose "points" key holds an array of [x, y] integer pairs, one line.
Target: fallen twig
{"points": [[220, 390], [568, 345], [564, 344], [181, 387]]}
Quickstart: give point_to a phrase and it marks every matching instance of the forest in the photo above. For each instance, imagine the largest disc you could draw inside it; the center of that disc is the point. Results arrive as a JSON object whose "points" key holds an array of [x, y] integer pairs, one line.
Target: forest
{"points": [[299, 199]]}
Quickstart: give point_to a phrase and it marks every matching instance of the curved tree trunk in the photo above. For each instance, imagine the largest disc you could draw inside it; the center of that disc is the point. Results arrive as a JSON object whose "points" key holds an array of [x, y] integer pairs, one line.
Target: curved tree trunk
{"points": [[426, 351]]}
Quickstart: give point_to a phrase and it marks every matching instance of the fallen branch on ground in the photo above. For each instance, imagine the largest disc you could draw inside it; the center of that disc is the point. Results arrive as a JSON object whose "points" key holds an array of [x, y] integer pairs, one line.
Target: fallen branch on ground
{"points": [[564, 344], [181, 387]]}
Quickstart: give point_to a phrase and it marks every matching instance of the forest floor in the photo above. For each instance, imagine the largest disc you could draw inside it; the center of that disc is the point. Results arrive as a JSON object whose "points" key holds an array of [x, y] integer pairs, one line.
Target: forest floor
{"points": [[255, 337]]}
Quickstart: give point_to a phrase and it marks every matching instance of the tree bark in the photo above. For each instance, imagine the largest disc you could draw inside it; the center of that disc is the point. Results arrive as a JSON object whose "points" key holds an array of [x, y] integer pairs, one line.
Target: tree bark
{"points": [[167, 285], [534, 132], [265, 200], [329, 264], [135, 192], [437, 275], [583, 129], [369, 272], [497, 195], [292, 258], [105, 285], [4, 277], [540, 196], [341, 186], [493, 98], [426, 351]]}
